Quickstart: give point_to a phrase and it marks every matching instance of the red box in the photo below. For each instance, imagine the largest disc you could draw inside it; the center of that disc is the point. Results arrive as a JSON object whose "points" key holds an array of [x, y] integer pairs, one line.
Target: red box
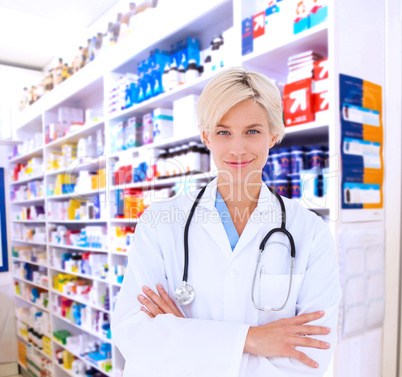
{"points": [[321, 102], [298, 102], [321, 69], [258, 25]]}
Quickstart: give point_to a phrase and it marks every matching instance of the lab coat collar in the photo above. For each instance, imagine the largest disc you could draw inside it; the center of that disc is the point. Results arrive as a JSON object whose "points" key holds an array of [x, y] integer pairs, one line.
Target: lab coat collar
{"points": [[266, 200]]}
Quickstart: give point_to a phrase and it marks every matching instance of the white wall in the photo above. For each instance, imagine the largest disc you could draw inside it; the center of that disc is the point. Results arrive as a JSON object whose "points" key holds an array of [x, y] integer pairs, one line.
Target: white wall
{"points": [[12, 80]]}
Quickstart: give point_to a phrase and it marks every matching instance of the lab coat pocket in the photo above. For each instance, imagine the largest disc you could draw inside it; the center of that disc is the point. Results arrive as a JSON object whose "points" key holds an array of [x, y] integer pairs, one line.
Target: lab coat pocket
{"points": [[273, 290]]}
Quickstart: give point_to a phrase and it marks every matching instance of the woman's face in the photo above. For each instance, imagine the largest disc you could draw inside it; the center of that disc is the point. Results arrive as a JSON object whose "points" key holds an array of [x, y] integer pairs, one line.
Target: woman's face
{"points": [[241, 142]]}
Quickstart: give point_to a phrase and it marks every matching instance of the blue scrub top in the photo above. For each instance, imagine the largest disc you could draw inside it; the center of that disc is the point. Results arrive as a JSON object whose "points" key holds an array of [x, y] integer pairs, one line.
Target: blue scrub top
{"points": [[227, 222]]}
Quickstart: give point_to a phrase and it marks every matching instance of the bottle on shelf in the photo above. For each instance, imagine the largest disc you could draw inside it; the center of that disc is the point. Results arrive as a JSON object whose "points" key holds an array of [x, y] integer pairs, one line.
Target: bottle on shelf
{"points": [[173, 80], [192, 71]]}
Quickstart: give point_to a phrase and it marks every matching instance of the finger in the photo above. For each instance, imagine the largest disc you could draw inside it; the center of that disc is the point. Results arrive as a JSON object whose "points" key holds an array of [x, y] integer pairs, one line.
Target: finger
{"points": [[311, 330], [308, 317], [149, 314], [162, 304], [305, 341], [302, 357], [169, 301], [149, 305]]}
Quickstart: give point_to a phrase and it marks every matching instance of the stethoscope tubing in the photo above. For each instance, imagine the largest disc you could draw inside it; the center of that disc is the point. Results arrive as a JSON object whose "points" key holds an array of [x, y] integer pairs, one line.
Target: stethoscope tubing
{"points": [[282, 229]]}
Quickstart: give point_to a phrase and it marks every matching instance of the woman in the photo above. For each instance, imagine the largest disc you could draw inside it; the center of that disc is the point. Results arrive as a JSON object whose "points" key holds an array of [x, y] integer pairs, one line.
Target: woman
{"points": [[222, 332]]}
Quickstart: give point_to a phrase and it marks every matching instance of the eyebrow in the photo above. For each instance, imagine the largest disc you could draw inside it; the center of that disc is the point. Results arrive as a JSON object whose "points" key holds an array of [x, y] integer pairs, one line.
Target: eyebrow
{"points": [[250, 126]]}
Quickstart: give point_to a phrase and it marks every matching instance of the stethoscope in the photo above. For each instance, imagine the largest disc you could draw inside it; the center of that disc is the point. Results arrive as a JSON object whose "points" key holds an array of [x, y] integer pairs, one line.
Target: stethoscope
{"points": [[185, 293]]}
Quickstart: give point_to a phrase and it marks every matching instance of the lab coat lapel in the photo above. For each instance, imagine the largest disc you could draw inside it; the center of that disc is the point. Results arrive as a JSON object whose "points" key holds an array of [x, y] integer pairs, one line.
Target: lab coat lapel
{"points": [[210, 220], [214, 227]]}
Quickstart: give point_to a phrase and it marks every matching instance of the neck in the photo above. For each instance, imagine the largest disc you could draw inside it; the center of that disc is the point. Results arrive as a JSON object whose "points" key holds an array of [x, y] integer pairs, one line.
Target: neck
{"points": [[239, 194]]}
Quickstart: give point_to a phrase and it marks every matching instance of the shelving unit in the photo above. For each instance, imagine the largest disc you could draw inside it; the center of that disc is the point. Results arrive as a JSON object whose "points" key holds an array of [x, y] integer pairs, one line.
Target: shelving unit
{"points": [[90, 86]]}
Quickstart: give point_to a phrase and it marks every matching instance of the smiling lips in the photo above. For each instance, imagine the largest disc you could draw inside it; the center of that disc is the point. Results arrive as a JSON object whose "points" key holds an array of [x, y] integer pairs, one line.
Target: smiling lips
{"points": [[237, 164]]}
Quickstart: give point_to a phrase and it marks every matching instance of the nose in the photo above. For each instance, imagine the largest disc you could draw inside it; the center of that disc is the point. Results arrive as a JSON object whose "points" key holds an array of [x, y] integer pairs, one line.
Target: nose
{"points": [[238, 146]]}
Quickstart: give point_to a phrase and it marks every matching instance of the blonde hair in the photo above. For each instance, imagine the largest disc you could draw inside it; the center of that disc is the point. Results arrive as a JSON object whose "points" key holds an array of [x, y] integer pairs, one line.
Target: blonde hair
{"points": [[235, 85]]}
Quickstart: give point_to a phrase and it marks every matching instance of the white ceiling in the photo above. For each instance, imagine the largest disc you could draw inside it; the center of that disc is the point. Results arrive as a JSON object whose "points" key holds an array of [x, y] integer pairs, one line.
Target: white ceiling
{"points": [[33, 32]]}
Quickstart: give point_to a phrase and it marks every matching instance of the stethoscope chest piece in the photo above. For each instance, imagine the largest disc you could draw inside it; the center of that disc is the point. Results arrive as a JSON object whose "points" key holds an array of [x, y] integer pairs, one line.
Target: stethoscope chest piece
{"points": [[184, 294]]}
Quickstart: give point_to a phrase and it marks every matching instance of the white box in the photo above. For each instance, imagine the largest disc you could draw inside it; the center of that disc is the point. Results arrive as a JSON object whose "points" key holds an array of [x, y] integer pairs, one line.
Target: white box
{"points": [[185, 120], [162, 120]]}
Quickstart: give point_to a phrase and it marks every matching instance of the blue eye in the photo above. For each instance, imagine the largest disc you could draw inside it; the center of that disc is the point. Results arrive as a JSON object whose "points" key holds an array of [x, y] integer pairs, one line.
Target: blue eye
{"points": [[254, 132], [220, 133]]}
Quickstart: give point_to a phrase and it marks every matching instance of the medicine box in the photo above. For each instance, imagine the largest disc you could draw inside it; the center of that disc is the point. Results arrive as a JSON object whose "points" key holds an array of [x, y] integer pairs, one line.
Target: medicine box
{"points": [[147, 129], [162, 120], [184, 116], [298, 102]]}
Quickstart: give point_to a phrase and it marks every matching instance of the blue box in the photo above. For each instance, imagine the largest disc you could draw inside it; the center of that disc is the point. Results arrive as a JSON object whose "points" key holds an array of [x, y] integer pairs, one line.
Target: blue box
{"points": [[185, 50], [247, 36], [156, 82], [301, 25], [319, 16], [158, 59]]}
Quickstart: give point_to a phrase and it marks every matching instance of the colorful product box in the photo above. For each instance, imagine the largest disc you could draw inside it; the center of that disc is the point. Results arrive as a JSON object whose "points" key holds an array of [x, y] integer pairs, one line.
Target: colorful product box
{"points": [[162, 124], [302, 20], [247, 36], [298, 102], [318, 12], [321, 85], [147, 129], [186, 50]]}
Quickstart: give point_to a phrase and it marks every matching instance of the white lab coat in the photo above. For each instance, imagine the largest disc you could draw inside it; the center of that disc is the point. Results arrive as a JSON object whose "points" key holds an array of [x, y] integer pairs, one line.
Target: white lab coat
{"points": [[209, 342]]}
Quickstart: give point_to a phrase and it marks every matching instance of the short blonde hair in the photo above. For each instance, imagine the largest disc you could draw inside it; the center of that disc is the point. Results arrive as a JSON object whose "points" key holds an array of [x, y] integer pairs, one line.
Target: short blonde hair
{"points": [[235, 85]]}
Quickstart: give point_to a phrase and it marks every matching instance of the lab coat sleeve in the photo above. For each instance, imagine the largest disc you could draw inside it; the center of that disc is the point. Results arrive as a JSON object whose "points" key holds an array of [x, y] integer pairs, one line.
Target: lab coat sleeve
{"points": [[167, 345], [320, 290]]}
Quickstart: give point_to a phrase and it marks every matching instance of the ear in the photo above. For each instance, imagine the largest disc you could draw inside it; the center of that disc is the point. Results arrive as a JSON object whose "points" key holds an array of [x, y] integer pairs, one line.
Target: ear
{"points": [[272, 141], [206, 140]]}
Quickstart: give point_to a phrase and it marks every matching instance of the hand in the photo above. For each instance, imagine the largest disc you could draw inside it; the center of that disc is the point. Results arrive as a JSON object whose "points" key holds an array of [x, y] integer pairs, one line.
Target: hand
{"points": [[280, 338], [155, 304]]}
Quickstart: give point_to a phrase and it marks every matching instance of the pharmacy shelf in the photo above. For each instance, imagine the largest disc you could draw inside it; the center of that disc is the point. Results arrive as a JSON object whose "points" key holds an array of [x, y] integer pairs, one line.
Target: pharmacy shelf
{"points": [[277, 50], [25, 157], [26, 180], [23, 366], [81, 301], [31, 115], [90, 221], [166, 181], [171, 142], [116, 284], [30, 242], [36, 348], [86, 130], [80, 164], [91, 332], [164, 100], [28, 201], [85, 276], [27, 324], [70, 247], [10, 142], [31, 283], [27, 261], [125, 253], [67, 371], [124, 221], [41, 307], [28, 221], [76, 195], [84, 359]]}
